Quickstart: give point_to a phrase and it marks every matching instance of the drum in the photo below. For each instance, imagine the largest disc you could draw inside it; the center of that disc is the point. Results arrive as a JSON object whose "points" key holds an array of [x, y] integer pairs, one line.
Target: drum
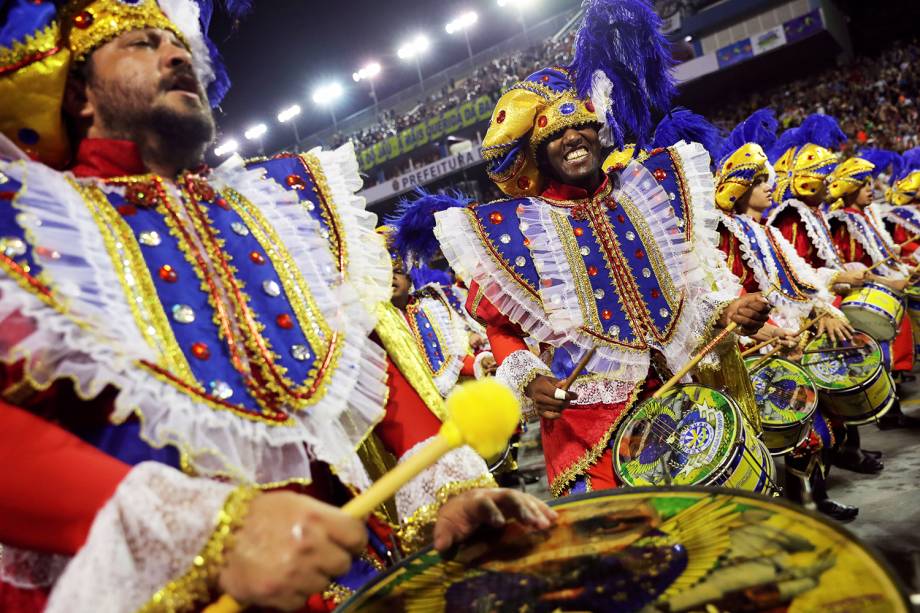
{"points": [[912, 295], [874, 309], [693, 435], [653, 549], [787, 399], [852, 383]]}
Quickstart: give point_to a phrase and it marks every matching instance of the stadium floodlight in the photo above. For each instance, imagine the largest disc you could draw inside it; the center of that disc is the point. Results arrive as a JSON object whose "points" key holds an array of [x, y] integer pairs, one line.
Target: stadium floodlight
{"points": [[289, 113], [367, 72], [256, 132], [520, 4], [326, 95], [412, 50], [228, 146], [463, 23]]}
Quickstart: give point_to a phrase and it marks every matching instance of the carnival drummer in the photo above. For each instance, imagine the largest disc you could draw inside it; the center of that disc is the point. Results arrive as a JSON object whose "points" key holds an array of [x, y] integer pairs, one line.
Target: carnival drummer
{"points": [[578, 259], [123, 320]]}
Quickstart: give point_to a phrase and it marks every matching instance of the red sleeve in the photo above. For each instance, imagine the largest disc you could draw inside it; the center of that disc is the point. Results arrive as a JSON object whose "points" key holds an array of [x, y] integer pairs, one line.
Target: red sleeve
{"points": [[791, 226], [407, 420], [901, 237], [505, 337], [850, 249], [728, 244], [468, 370], [52, 483]]}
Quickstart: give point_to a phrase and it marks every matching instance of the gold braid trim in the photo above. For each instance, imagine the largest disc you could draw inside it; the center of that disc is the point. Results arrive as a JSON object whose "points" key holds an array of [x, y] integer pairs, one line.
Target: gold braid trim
{"points": [[416, 530], [400, 346], [337, 593], [580, 466], [194, 587]]}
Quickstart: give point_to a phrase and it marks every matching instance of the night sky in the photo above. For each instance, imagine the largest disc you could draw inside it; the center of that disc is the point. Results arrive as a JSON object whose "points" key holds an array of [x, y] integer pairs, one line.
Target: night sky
{"points": [[285, 48]]}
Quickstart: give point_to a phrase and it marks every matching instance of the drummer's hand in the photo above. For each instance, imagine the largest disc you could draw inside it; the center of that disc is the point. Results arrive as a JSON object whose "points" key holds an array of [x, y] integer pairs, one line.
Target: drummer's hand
{"points": [[465, 513], [786, 338], [837, 330], [489, 366], [897, 285], [542, 392], [289, 546], [750, 312], [853, 278]]}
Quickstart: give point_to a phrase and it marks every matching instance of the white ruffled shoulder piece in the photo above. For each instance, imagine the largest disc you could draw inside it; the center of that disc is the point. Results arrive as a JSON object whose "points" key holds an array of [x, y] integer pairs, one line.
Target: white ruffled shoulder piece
{"points": [[910, 221], [876, 212], [368, 264], [787, 313], [96, 342], [815, 227], [861, 231], [145, 536], [447, 329]]}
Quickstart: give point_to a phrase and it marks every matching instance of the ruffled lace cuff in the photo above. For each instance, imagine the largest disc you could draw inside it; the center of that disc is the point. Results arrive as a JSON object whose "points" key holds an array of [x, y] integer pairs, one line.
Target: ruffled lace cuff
{"points": [[419, 501], [517, 371], [156, 545]]}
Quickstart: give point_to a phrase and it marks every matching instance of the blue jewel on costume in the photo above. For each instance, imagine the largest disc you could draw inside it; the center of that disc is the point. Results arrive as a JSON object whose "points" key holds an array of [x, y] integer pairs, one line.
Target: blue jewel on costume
{"points": [[567, 108]]}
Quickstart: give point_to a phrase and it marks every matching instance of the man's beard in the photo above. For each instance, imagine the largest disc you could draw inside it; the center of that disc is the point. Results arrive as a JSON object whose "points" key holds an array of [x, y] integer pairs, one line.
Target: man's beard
{"points": [[177, 136]]}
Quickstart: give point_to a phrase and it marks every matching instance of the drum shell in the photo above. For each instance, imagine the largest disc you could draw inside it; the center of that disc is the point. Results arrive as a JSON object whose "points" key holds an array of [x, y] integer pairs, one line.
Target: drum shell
{"points": [[861, 404], [874, 309], [782, 437]]}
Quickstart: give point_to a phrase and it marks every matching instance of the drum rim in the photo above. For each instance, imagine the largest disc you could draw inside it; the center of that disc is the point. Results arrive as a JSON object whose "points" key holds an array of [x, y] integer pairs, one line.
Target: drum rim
{"points": [[739, 439], [874, 285], [869, 549], [816, 380], [814, 404]]}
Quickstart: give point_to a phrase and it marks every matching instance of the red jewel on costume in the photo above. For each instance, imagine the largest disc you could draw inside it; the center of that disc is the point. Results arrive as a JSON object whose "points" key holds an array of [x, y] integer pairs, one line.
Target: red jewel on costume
{"points": [[222, 203], [168, 273], [546, 282], [295, 181], [523, 183], [200, 350], [127, 209], [655, 293], [579, 231], [612, 204], [592, 270], [640, 254], [541, 121], [729, 165], [606, 314], [256, 257], [500, 117], [545, 78], [142, 194], [496, 218], [620, 218], [589, 106], [526, 242], [660, 174], [83, 20], [285, 321]]}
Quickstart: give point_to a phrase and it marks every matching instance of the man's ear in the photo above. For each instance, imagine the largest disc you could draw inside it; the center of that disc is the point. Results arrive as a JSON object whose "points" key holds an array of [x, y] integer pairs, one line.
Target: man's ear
{"points": [[77, 103]]}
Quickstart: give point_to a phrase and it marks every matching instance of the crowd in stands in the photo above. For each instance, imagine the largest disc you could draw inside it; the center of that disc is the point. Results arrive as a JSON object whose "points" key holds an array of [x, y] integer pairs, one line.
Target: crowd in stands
{"points": [[875, 99]]}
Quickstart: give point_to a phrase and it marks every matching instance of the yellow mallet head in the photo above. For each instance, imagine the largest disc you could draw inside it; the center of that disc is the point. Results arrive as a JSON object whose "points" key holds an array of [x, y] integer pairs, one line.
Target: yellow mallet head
{"points": [[482, 414]]}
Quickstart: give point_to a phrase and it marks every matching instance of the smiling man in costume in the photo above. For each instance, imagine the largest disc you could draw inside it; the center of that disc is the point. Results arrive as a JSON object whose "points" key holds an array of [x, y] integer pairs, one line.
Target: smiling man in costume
{"points": [[175, 340], [577, 258]]}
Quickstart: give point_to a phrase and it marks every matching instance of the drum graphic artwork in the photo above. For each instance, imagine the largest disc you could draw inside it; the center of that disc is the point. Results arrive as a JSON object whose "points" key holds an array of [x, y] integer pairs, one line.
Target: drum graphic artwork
{"points": [[693, 435], [787, 399], [852, 384], [912, 295], [650, 550], [874, 309]]}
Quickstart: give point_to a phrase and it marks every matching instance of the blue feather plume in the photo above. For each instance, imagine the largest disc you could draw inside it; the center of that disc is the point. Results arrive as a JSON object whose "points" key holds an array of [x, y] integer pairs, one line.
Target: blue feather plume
{"points": [[235, 10], [683, 124], [759, 127], [910, 161], [424, 275], [622, 40], [817, 129], [883, 159], [413, 237]]}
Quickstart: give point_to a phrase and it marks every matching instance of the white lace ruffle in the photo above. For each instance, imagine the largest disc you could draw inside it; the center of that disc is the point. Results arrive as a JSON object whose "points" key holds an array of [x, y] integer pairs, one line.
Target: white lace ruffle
{"points": [[860, 230], [457, 466], [815, 227], [146, 535], [517, 371], [369, 268], [911, 225], [876, 213], [79, 345]]}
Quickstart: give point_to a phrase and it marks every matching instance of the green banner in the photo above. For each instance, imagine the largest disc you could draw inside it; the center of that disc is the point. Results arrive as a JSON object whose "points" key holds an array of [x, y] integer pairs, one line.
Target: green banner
{"points": [[406, 140], [467, 114], [420, 131], [484, 107], [366, 156], [451, 120], [380, 155], [435, 128]]}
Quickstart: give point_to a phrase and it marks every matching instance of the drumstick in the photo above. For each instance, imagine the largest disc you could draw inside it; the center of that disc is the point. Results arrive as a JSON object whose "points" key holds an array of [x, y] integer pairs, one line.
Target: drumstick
{"points": [[766, 358], [694, 360], [893, 255], [762, 344], [831, 350], [582, 363], [482, 414]]}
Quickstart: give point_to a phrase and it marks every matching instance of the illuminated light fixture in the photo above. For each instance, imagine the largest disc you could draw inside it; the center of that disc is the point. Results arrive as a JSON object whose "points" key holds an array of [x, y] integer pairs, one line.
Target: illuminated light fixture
{"points": [[462, 22], [327, 94], [367, 72], [413, 48], [255, 132], [289, 113], [226, 147]]}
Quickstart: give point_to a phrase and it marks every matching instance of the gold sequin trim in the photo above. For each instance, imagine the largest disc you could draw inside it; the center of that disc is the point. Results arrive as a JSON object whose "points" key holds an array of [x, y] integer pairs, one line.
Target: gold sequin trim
{"points": [[415, 531], [329, 212], [337, 593], [411, 311], [32, 46], [194, 587]]}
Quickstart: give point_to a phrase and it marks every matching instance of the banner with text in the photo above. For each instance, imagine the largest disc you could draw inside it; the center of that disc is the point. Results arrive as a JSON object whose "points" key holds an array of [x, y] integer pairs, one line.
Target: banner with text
{"points": [[422, 175]]}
